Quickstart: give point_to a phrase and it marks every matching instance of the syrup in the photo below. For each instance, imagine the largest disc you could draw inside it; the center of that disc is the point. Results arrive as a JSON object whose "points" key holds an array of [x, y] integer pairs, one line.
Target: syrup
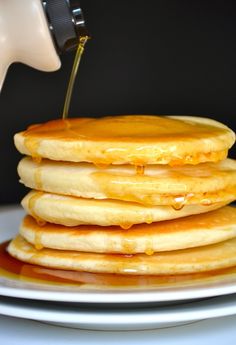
{"points": [[73, 75], [140, 169], [179, 203], [38, 178], [126, 226], [123, 139], [38, 240], [149, 219], [128, 245], [101, 166], [149, 245], [12, 268], [36, 159], [126, 187], [31, 205], [32, 145]]}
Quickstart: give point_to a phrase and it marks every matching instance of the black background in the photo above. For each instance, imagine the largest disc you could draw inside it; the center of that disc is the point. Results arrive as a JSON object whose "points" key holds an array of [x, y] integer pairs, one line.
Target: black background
{"points": [[149, 57]]}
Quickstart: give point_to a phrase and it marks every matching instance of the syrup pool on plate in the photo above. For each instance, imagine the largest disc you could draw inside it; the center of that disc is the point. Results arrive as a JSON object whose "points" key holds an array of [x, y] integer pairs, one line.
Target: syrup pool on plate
{"points": [[14, 269]]}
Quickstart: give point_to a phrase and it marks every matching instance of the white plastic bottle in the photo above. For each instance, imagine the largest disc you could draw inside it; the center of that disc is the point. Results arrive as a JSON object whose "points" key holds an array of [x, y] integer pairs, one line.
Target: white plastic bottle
{"points": [[35, 32]]}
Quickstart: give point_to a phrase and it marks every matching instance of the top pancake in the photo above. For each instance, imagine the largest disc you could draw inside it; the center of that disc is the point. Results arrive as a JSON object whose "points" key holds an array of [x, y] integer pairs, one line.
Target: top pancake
{"points": [[136, 139]]}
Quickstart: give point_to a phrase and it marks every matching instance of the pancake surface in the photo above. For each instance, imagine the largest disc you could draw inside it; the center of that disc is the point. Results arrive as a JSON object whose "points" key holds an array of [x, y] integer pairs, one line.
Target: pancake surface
{"points": [[204, 183], [188, 232], [136, 139], [71, 211], [213, 257]]}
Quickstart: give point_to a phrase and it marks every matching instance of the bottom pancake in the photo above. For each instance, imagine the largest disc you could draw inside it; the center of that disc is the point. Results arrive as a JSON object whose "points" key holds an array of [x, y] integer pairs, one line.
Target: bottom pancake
{"points": [[72, 211], [192, 231], [201, 259]]}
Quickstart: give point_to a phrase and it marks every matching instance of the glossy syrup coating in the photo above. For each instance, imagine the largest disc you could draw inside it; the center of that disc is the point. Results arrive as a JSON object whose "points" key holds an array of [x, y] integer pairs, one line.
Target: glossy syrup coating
{"points": [[136, 139], [205, 183]]}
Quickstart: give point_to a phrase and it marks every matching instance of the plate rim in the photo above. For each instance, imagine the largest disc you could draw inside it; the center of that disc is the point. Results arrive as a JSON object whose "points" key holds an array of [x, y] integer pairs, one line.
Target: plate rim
{"points": [[197, 310], [101, 297]]}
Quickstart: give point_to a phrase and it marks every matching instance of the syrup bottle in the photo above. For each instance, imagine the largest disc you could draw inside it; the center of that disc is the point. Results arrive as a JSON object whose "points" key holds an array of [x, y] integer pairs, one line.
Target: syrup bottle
{"points": [[36, 32]]}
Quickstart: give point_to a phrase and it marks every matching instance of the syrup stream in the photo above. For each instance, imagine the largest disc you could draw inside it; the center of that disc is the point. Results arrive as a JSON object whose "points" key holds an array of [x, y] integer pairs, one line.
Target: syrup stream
{"points": [[74, 71]]}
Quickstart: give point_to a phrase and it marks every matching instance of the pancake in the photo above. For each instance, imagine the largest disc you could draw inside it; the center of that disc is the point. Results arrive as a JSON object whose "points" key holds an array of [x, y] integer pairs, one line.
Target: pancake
{"points": [[207, 258], [134, 139], [188, 232], [205, 183], [71, 211]]}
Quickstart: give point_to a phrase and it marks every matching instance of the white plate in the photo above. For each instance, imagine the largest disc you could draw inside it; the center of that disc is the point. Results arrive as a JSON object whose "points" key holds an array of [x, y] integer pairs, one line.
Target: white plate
{"points": [[77, 316], [9, 222]]}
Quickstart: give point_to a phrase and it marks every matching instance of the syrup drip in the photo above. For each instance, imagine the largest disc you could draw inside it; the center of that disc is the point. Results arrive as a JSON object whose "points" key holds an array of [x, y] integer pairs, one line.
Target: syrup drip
{"points": [[36, 159], [149, 219], [40, 221], [38, 240], [128, 245], [32, 146], [149, 247], [206, 202], [140, 169], [149, 251], [126, 226], [74, 71], [31, 205], [101, 165], [179, 203], [38, 178]]}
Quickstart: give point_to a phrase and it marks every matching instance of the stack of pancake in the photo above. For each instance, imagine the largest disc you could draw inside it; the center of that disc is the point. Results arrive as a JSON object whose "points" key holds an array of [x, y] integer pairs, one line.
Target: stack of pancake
{"points": [[128, 194]]}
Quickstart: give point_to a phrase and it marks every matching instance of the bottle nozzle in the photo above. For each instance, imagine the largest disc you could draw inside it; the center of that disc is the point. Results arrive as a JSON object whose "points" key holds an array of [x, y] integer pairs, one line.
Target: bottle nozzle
{"points": [[66, 22], [78, 18]]}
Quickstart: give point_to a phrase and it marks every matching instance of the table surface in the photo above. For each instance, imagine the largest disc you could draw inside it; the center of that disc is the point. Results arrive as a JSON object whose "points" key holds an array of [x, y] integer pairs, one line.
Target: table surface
{"points": [[23, 332]]}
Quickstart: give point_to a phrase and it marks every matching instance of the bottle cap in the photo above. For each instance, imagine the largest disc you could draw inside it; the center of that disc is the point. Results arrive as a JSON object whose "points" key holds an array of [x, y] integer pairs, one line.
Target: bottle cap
{"points": [[66, 22]]}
